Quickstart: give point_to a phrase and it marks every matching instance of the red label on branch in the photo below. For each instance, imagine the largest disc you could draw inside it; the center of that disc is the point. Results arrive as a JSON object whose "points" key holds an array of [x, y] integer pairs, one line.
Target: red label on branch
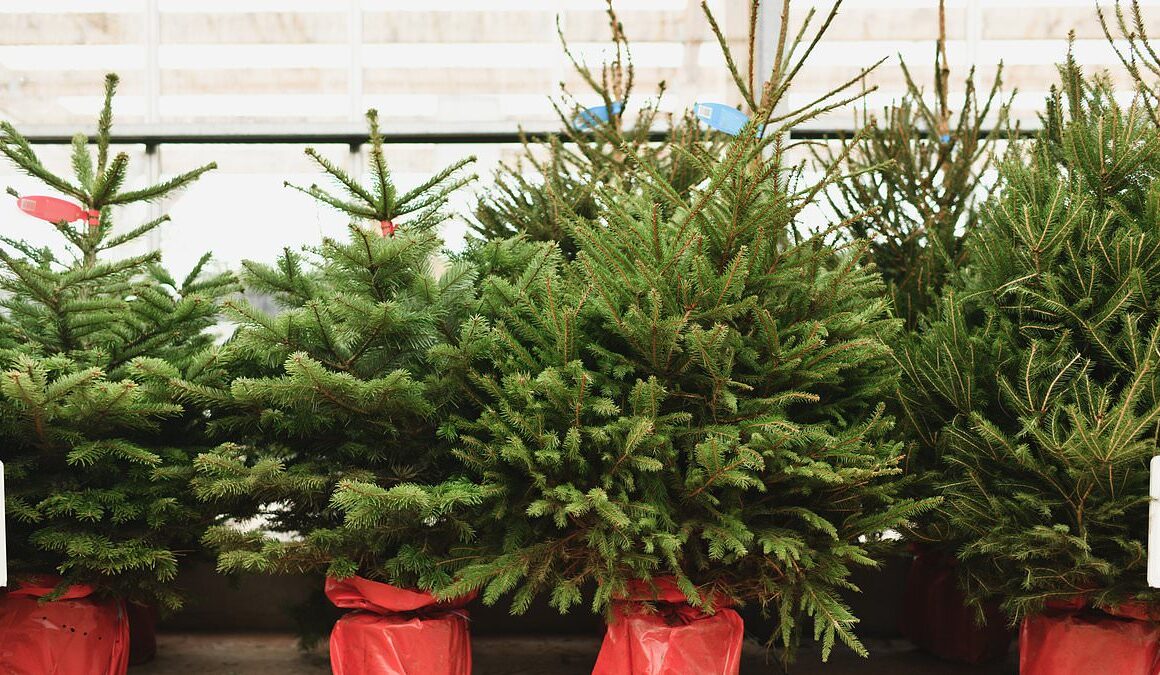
{"points": [[388, 228], [54, 210]]}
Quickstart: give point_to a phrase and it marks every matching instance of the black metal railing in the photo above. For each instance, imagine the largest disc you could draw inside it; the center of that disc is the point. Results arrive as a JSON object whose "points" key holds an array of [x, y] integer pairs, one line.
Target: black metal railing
{"points": [[352, 135]]}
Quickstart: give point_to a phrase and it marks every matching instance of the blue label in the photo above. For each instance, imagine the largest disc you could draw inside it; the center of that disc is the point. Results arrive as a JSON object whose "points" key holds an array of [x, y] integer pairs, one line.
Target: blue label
{"points": [[590, 117], [721, 117]]}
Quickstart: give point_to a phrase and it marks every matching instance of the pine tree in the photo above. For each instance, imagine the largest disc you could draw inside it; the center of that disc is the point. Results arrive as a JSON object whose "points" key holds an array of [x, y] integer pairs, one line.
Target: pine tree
{"points": [[96, 451], [698, 394], [1036, 382], [555, 178], [915, 180], [346, 383]]}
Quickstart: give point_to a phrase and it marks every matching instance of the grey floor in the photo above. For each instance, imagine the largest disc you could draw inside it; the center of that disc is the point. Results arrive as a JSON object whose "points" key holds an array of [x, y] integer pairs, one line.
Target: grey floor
{"points": [[276, 654]]}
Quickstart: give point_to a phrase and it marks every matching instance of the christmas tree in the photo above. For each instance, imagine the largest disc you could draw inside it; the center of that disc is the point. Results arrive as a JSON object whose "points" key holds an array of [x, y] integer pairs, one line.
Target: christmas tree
{"points": [[97, 453], [1036, 381], [346, 382], [697, 395], [915, 178], [554, 179], [915, 182]]}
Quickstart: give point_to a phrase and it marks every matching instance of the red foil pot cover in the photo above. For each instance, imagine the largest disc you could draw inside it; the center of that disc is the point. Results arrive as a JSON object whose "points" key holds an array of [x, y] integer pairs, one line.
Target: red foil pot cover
{"points": [[1070, 639], [395, 631], [935, 616], [73, 635], [656, 632]]}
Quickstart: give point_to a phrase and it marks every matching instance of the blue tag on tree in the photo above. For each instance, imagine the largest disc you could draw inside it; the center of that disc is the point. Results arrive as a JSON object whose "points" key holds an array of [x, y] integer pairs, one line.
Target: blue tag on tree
{"points": [[590, 117], [721, 117]]}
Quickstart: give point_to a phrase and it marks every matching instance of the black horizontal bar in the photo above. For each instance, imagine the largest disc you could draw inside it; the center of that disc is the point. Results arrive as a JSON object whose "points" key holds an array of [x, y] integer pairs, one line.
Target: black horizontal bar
{"points": [[351, 137], [835, 134], [321, 134]]}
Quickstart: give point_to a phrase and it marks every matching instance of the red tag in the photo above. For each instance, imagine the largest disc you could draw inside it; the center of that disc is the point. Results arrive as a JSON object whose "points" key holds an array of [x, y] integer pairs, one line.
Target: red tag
{"points": [[388, 228], [54, 210]]}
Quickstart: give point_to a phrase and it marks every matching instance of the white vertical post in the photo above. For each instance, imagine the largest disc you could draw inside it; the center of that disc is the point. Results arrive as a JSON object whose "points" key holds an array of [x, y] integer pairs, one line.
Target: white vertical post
{"points": [[354, 36], [1154, 523], [152, 62], [354, 81], [974, 30], [692, 32], [153, 109], [768, 28], [3, 538]]}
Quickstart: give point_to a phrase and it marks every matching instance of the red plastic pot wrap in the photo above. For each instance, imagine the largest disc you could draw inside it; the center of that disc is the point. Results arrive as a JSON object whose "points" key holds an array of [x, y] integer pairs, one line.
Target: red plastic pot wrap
{"points": [[936, 619], [1071, 639], [74, 635], [397, 632], [656, 632], [142, 633]]}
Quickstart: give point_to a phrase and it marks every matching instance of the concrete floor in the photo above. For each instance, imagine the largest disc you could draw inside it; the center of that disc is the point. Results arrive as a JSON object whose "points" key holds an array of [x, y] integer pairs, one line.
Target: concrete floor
{"points": [[277, 654]]}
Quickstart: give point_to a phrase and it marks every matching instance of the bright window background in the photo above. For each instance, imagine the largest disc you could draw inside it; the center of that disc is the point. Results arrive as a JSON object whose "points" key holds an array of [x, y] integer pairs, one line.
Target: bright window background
{"points": [[436, 65]]}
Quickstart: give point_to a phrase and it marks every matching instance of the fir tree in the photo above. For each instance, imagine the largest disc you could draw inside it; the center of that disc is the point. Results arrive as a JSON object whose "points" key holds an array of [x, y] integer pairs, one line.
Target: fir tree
{"points": [[555, 178], [347, 384], [698, 394], [1036, 383], [97, 454], [915, 178]]}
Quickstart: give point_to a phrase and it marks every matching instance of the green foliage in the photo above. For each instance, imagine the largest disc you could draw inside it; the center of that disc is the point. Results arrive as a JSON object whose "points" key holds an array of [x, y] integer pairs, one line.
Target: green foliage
{"points": [[346, 386], [699, 393], [381, 201], [1036, 382], [689, 398], [1128, 37], [554, 180], [915, 177], [96, 452]]}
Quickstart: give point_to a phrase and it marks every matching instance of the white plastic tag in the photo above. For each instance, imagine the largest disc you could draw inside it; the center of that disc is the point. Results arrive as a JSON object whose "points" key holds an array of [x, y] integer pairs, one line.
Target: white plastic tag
{"points": [[1154, 523]]}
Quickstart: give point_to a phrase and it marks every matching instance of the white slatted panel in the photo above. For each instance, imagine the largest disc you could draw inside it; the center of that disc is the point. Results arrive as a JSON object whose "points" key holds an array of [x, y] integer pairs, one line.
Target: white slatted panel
{"points": [[466, 61], [1028, 37], [54, 54], [235, 61]]}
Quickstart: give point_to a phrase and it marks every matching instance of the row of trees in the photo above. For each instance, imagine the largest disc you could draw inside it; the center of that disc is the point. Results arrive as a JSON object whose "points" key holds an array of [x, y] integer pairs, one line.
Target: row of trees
{"points": [[646, 367]]}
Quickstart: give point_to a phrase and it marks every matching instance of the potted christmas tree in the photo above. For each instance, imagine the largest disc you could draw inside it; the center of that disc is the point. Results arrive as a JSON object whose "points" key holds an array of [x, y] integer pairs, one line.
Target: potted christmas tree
{"points": [[916, 179], [346, 382], [1036, 384], [97, 454], [687, 416]]}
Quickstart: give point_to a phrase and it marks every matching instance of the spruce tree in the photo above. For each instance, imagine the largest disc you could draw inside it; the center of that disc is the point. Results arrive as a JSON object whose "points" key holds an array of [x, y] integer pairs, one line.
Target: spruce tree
{"points": [[915, 182], [1127, 35], [97, 453], [916, 174], [699, 394], [1036, 382], [344, 382], [555, 177]]}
